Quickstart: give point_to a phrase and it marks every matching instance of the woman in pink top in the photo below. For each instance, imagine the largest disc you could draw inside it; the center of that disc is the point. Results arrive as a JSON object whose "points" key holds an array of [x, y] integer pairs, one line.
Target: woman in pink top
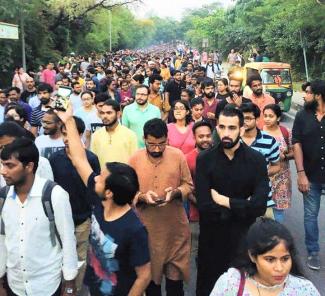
{"points": [[180, 131]]}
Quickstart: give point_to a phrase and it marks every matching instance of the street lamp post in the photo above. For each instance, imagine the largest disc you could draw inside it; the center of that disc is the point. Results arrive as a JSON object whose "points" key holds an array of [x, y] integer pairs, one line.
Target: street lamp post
{"points": [[22, 36], [110, 29], [304, 53]]}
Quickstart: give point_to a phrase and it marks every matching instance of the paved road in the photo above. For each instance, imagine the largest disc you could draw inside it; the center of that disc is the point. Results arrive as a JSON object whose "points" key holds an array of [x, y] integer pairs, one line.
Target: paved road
{"points": [[294, 221]]}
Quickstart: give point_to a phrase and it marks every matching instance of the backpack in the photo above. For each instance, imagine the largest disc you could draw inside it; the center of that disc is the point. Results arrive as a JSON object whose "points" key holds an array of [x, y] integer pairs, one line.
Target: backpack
{"points": [[47, 206], [285, 134]]}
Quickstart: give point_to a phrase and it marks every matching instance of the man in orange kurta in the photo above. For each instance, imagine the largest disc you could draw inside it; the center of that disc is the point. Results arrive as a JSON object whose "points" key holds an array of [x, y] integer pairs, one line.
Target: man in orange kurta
{"points": [[258, 97], [165, 181]]}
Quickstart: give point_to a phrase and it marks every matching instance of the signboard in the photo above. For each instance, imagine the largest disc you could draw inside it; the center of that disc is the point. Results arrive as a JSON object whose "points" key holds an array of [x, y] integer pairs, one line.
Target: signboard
{"points": [[8, 31]]}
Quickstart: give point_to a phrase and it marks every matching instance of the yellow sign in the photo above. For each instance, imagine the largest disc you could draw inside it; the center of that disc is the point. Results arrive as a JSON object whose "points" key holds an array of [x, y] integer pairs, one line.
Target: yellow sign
{"points": [[8, 31]]}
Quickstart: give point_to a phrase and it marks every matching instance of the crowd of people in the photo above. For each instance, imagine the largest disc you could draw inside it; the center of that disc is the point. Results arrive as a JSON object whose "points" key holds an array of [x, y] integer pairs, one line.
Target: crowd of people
{"points": [[155, 162]]}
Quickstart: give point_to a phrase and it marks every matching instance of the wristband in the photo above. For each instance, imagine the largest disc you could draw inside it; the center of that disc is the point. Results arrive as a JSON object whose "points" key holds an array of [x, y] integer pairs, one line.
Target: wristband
{"points": [[300, 171]]}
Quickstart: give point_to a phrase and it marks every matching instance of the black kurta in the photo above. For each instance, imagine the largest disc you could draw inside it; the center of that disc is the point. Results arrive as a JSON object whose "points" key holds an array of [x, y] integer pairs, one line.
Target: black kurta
{"points": [[245, 181]]}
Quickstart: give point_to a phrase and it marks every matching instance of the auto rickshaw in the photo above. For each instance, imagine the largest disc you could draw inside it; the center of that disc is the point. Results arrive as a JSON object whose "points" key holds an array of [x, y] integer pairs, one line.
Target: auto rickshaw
{"points": [[276, 79]]}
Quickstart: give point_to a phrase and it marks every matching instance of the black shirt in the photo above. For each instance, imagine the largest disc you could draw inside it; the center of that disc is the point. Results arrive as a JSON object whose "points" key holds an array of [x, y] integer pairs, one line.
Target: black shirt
{"points": [[174, 89], [68, 178], [221, 97], [116, 248], [26, 95], [243, 179], [310, 133], [223, 103]]}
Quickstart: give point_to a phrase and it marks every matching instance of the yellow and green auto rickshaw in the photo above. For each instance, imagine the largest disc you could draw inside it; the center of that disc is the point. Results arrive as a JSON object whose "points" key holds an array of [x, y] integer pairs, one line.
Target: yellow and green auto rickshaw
{"points": [[276, 79]]}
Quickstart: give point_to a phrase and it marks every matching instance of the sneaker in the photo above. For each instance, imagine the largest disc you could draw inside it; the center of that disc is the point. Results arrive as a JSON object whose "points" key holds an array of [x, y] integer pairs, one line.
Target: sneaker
{"points": [[313, 262]]}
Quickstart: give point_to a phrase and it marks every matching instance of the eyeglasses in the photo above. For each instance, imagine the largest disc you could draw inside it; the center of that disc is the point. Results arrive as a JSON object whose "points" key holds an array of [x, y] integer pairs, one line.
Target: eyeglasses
{"points": [[153, 146], [179, 108]]}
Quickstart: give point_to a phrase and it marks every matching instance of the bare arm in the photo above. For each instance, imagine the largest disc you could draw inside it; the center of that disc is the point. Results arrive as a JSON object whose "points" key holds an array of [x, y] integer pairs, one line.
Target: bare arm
{"points": [[87, 142], [273, 168], [34, 130], [142, 281], [78, 157]]}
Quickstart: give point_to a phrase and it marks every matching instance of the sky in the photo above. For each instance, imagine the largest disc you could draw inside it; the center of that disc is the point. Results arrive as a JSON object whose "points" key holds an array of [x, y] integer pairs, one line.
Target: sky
{"points": [[171, 8]]}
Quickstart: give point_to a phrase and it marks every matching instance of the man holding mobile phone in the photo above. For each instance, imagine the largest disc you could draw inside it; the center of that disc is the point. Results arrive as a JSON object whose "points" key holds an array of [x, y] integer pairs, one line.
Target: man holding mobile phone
{"points": [[164, 180]]}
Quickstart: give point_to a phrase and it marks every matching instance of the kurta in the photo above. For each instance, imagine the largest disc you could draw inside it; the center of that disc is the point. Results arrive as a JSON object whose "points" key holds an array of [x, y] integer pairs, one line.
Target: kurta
{"points": [[281, 181], [168, 227]]}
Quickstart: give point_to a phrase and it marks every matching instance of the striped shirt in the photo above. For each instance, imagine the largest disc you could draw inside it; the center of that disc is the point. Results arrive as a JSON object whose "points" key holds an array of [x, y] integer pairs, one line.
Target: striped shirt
{"points": [[37, 115], [269, 148], [267, 145]]}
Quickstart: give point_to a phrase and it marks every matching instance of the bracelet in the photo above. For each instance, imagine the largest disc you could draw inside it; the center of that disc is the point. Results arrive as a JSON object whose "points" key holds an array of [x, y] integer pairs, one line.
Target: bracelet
{"points": [[300, 171]]}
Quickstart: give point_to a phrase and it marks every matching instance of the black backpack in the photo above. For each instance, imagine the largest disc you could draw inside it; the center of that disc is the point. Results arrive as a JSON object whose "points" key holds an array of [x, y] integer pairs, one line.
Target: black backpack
{"points": [[47, 206]]}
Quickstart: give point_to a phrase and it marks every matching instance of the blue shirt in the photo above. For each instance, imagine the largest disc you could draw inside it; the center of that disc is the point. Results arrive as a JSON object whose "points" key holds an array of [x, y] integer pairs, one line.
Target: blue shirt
{"points": [[116, 249]]}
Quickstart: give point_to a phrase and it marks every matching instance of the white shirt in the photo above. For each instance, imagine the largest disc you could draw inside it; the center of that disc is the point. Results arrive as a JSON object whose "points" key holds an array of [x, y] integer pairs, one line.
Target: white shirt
{"points": [[32, 264], [75, 101], [34, 102], [47, 146]]}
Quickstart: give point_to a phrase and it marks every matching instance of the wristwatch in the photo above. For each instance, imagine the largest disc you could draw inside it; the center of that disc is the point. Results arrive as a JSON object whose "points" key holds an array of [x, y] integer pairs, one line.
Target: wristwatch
{"points": [[69, 290]]}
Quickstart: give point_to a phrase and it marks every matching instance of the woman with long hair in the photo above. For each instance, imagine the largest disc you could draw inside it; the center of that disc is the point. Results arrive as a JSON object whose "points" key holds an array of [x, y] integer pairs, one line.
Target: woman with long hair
{"points": [[267, 267]]}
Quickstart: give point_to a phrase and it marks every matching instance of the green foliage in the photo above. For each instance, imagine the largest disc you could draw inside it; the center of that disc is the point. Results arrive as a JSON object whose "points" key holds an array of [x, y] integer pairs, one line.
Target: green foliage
{"points": [[272, 26], [54, 28]]}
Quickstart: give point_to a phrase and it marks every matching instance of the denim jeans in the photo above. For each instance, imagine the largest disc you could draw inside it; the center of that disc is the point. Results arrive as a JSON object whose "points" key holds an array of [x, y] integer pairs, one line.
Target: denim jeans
{"points": [[311, 210], [278, 215]]}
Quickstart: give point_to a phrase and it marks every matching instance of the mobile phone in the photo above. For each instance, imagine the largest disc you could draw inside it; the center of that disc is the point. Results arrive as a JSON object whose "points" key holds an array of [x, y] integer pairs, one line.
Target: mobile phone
{"points": [[61, 103], [64, 91]]}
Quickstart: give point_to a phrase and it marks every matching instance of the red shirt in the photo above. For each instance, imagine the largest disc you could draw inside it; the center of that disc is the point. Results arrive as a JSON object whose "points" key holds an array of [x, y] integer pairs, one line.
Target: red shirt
{"points": [[191, 162], [210, 108]]}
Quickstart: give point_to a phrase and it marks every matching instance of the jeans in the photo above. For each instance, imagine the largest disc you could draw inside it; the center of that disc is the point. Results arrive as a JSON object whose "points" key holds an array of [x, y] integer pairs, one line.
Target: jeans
{"points": [[311, 210], [278, 215]]}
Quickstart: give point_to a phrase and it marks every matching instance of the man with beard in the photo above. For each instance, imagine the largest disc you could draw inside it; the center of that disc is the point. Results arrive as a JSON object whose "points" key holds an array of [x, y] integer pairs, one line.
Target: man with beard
{"points": [[174, 88], [138, 113], [232, 188], [308, 136], [30, 90], [259, 98], [235, 95], [91, 86], [113, 142], [210, 101], [75, 97], [52, 140], [156, 97], [44, 91], [165, 181], [202, 131]]}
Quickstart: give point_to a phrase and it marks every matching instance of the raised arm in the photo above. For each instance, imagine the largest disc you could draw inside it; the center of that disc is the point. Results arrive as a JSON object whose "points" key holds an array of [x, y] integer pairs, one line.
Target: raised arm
{"points": [[78, 153]]}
